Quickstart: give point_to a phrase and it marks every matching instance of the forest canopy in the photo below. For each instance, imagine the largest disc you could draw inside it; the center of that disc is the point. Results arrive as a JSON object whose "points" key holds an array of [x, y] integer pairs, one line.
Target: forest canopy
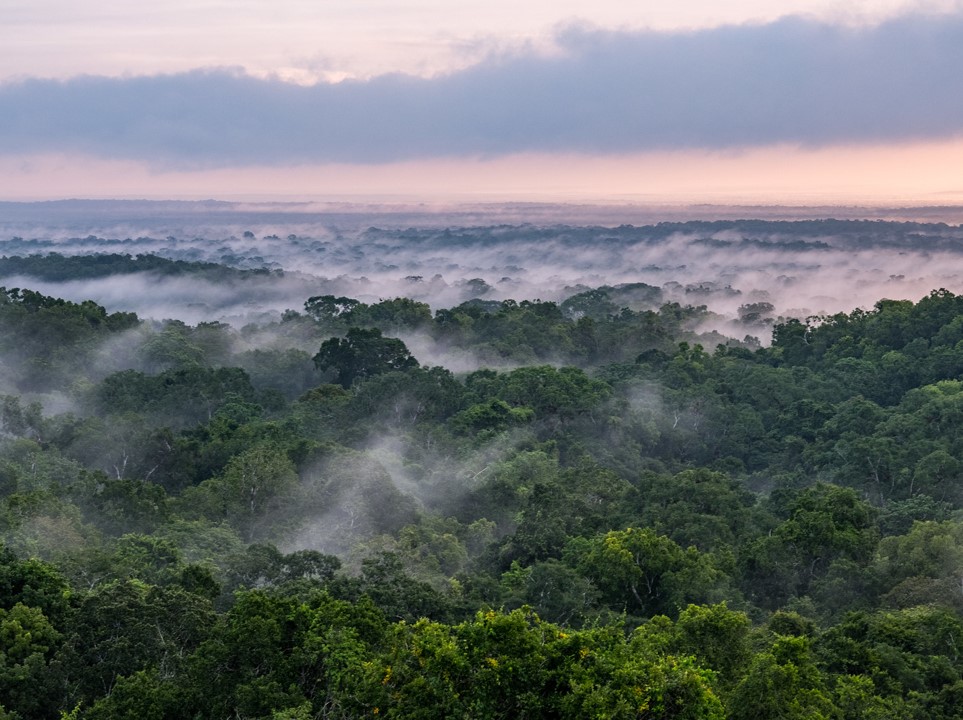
{"points": [[597, 507]]}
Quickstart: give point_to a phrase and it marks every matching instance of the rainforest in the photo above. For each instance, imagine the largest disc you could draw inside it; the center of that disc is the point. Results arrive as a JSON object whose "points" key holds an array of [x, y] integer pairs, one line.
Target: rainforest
{"points": [[463, 469]]}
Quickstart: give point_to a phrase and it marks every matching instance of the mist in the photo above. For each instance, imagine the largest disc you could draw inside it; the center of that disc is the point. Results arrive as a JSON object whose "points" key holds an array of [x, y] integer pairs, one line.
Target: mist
{"points": [[285, 254]]}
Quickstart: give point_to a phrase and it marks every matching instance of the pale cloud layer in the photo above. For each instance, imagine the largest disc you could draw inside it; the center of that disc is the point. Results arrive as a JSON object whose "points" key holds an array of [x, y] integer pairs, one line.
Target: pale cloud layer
{"points": [[306, 40], [793, 81]]}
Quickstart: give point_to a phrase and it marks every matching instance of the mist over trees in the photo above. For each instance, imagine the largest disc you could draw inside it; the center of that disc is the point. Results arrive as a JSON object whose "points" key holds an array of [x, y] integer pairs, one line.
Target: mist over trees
{"points": [[201, 262], [626, 499]]}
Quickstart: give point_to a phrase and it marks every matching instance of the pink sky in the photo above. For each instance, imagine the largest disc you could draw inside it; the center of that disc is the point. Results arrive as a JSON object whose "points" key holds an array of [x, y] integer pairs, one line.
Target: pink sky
{"points": [[914, 173], [907, 149]]}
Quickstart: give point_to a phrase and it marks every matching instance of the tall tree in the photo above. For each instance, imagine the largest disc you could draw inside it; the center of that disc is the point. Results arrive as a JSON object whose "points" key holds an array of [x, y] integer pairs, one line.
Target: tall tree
{"points": [[363, 353]]}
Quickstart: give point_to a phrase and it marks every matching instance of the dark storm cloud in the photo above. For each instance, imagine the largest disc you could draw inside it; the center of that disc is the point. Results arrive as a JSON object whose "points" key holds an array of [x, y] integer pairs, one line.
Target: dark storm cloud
{"points": [[794, 81]]}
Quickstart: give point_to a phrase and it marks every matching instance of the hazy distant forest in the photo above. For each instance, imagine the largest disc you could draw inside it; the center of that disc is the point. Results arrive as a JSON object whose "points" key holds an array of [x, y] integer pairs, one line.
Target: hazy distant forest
{"points": [[483, 471]]}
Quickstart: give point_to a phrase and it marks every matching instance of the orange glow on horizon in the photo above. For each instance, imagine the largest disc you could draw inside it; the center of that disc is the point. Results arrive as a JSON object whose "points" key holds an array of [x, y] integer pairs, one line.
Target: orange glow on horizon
{"points": [[921, 173]]}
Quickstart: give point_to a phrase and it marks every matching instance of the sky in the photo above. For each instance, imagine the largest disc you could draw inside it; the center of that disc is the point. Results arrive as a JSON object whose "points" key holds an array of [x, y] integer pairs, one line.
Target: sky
{"points": [[657, 100]]}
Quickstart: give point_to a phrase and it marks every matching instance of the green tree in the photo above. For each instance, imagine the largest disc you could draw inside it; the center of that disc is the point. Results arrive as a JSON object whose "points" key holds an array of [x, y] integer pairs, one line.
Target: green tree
{"points": [[121, 628], [326, 308], [33, 583], [28, 685], [253, 481], [717, 637], [783, 683], [363, 353], [646, 574]]}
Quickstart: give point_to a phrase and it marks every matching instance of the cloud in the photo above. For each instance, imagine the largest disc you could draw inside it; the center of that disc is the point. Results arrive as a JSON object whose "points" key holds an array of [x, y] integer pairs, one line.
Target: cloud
{"points": [[793, 81]]}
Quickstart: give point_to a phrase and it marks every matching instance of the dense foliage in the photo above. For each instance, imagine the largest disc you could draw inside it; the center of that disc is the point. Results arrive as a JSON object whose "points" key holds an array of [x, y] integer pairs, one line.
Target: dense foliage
{"points": [[624, 519]]}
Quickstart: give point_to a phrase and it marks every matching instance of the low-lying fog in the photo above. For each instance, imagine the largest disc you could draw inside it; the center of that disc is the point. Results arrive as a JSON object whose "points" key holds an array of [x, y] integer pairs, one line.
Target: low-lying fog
{"points": [[748, 272], [799, 264]]}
